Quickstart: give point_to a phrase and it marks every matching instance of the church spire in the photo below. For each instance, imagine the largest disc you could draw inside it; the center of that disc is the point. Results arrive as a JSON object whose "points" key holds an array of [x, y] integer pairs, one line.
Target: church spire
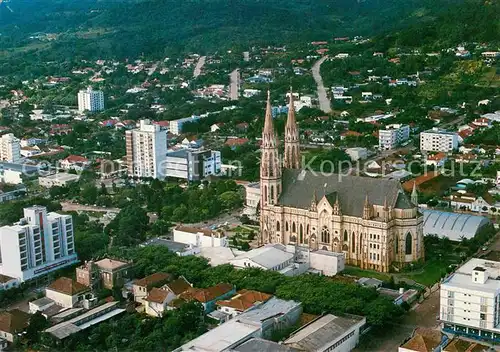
{"points": [[414, 194], [292, 145], [270, 168], [336, 206], [367, 209], [314, 202]]}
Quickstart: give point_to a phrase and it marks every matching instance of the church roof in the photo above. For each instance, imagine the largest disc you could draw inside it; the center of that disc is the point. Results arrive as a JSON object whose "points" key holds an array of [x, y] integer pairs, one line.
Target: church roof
{"points": [[299, 187]]}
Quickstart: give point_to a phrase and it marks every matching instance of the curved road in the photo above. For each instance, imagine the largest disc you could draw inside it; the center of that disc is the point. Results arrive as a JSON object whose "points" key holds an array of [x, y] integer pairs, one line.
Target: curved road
{"points": [[324, 102]]}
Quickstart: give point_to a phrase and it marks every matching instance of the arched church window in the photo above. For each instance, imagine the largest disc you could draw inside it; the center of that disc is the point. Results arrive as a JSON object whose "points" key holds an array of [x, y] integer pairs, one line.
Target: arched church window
{"points": [[307, 229], [272, 194], [265, 194], [325, 235], [277, 226], [294, 228], [396, 244], [408, 243], [301, 234], [353, 242], [345, 235], [286, 226]]}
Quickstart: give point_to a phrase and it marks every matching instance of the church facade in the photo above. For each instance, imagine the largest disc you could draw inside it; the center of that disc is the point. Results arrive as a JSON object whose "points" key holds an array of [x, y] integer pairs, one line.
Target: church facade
{"points": [[370, 220]]}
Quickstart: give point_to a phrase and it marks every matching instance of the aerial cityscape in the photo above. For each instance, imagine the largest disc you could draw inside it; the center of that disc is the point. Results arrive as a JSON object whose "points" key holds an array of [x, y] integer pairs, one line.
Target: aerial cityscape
{"points": [[250, 176]]}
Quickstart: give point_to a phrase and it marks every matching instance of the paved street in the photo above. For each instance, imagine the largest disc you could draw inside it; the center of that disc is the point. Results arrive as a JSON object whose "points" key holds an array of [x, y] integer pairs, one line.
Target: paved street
{"points": [[422, 315], [199, 66], [324, 102], [68, 206], [234, 87]]}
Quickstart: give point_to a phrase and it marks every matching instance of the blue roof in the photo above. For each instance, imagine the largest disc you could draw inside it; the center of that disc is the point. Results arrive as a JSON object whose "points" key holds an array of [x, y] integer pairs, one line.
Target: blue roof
{"points": [[452, 225]]}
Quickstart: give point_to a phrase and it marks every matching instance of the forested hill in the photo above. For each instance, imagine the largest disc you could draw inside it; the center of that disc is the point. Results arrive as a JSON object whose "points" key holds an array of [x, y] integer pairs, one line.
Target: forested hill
{"points": [[126, 28], [472, 21]]}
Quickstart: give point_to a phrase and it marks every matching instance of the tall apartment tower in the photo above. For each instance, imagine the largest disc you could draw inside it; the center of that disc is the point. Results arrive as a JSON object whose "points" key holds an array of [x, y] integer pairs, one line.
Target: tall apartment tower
{"points": [[10, 148], [90, 100], [39, 243], [146, 150]]}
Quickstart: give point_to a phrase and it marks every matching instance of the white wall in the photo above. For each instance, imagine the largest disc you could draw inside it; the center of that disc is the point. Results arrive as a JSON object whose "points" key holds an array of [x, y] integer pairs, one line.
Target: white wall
{"points": [[199, 239], [61, 299], [328, 264]]}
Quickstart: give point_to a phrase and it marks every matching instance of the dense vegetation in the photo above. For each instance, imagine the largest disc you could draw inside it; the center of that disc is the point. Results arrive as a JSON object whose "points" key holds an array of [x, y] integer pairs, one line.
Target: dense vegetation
{"points": [[86, 28]]}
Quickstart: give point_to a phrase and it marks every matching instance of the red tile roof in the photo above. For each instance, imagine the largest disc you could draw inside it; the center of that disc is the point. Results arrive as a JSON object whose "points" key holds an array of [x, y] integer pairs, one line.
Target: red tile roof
{"points": [[76, 159], [67, 286], [157, 295], [179, 286], [245, 300], [204, 295], [14, 321], [153, 280], [232, 142]]}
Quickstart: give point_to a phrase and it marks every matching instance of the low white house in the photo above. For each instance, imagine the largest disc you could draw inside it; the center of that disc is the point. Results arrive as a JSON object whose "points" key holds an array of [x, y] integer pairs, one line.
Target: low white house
{"points": [[65, 292], [158, 299], [200, 237]]}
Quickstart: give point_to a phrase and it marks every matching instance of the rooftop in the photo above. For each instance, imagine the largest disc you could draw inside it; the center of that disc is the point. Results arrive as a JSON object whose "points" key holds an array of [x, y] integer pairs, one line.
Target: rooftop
{"points": [[224, 336], [245, 299], [460, 345], [268, 256], [13, 321], [321, 331], [111, 264], [463, 276], [194, 230], [87, 319], [157, 295], [205, 295], [452, 225], [261, 345], [62, 176], [153, 280], [176, 247], [4, 279], [424, 340], [67, 286], [179, 285], [271, 308]]}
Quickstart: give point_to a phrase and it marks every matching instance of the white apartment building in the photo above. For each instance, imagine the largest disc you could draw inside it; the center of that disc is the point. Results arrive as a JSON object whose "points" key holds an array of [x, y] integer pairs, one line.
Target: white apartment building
{"points": [[175, 126], [90, 100], [437, 140], [146, 150], [192, 165], [393, 135], [39, 243], [10, 148], [470, 302]]}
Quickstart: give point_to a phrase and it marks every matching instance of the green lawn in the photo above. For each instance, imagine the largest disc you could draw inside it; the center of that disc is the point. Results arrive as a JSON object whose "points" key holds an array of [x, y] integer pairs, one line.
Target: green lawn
{"points": [[366, 273], [431, 272]]}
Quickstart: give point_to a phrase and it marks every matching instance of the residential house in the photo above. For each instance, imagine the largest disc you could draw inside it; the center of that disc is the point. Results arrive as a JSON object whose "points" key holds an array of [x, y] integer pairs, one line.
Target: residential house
{"points": [[12, 323], [108, 273], [75, 162], [462, 200], [209, 296], [216, 126], [236, 142], [141, 288], [65, 292], [162, 298], [28, 152], [244, 300], [436, 160]]}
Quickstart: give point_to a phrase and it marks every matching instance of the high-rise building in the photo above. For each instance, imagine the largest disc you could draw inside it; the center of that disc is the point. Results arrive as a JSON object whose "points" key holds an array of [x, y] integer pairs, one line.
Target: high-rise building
{"points": [[393, 135], [192, 165], [10, 148], [39, 243], [437, 140], [146, 150], [90, 100], [470, 300]]}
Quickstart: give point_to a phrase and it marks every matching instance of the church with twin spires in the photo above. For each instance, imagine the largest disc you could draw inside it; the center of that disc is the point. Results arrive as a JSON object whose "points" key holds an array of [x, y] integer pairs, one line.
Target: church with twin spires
{"points": [[370, 220]]}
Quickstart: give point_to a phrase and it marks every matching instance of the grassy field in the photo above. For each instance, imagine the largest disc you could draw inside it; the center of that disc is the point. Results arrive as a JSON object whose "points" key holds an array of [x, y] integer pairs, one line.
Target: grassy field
{"points": [[366, 273]]}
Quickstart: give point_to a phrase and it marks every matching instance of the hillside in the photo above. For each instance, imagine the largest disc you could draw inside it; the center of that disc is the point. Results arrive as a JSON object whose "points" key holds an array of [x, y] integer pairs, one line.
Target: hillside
{"points": [[127, 28]]}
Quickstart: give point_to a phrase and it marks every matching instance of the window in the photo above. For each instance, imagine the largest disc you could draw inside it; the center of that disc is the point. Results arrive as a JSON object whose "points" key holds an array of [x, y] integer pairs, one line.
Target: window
{"points": [[353, 242], [277, 226], [325, 235], [301, 234], [294, 228], [408, 243], [345, 235], [396, 244], [286, 226]]}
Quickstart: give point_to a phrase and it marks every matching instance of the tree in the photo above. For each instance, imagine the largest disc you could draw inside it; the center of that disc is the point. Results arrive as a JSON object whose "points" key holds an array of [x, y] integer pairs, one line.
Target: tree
{"points": [[89, 194], [129, 226], [37, 324]]}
